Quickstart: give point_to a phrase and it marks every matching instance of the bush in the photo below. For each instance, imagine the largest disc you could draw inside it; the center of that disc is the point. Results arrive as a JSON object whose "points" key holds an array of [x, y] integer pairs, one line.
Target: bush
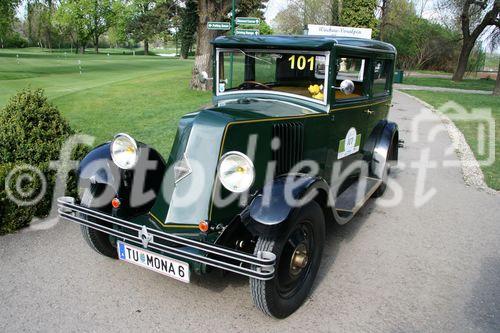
{"points": [[32, 132], [12, 216], [15, 40]]}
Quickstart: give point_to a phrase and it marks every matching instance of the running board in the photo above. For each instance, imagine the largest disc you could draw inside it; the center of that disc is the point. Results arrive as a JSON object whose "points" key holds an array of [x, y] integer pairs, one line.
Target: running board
{"points": [[350, 201]]}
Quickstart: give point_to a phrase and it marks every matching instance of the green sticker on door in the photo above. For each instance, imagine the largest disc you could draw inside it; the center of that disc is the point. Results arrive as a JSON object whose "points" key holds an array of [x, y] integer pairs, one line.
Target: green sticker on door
{"points": [[350, 144]]}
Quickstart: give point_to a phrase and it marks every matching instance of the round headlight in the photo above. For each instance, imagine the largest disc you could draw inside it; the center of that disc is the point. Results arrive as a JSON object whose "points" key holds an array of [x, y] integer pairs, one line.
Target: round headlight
{"points": [[236, 172], [124, 151]]}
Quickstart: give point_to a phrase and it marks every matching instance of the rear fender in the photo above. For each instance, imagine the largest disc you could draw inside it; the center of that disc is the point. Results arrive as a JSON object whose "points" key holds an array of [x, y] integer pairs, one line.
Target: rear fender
{"points": [[388, 139]]}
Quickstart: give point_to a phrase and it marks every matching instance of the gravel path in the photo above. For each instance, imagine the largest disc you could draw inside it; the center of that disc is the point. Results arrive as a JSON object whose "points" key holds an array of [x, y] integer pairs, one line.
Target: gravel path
{"points": [[441, 89], [431, 268]]}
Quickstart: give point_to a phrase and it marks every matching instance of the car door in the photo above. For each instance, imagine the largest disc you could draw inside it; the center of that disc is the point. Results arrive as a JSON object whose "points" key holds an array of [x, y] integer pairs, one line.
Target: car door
{"points": [[348, 112], [381, 71]]}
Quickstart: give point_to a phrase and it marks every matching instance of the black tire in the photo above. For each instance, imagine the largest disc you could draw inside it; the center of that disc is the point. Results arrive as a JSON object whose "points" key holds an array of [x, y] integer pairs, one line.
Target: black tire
{"points": [[99, 242], [271, 297]]}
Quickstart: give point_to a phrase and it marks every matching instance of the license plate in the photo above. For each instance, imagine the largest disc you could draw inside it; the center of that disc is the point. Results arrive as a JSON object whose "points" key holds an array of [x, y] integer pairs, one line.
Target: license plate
{"points": [[170, 267]]}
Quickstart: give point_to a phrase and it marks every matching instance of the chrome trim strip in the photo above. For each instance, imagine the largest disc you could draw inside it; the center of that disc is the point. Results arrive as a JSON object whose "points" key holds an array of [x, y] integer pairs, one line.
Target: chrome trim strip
{"points": [[261, 267], [231, 254]]}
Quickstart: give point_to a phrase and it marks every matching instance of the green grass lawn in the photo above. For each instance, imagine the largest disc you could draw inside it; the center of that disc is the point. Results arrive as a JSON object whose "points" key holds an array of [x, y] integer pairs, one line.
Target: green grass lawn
{"points": [[427, 71], [142, 96], [481, 84], [470, 129], [492, 61]]}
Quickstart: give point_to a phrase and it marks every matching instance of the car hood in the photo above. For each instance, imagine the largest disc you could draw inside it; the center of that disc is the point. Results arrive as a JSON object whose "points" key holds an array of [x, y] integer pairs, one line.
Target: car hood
{"points": [[199, 141]]}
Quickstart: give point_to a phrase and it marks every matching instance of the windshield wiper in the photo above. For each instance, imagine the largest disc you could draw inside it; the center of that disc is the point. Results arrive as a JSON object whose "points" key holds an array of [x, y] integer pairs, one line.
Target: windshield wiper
{"points": [[255, 57]]}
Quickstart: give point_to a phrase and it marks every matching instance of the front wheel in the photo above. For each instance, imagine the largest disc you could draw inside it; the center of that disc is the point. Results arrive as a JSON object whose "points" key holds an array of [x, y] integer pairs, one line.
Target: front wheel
{"points": [[99, 242], [96, 240], [298, 256]]}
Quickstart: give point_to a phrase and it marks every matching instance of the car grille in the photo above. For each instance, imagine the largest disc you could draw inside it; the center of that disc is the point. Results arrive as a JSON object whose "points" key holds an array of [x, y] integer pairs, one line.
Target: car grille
{"points": [[289, 153]]}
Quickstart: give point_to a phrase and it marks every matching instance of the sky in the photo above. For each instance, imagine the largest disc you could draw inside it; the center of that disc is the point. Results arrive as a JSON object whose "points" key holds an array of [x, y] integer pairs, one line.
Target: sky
{"points": [[273, 8]]}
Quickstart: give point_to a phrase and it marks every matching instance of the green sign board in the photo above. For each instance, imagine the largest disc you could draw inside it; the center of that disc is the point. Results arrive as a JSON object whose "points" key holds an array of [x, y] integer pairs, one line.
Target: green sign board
{"points": [[246, 32], [247, 21], [219, 25]]}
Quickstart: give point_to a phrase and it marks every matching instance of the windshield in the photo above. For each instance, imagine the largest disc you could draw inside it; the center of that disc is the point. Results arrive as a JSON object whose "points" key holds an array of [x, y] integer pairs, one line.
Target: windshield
{"points": [[297, 73]]}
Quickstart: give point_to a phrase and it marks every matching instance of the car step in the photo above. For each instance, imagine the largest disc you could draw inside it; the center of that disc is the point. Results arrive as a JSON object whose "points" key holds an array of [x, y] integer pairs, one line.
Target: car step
{"points": [[350, 201]]}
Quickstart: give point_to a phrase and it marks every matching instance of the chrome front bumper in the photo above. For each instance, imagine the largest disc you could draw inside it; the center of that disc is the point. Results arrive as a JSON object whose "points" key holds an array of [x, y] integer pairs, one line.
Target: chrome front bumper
{"points": [[260, 266]]}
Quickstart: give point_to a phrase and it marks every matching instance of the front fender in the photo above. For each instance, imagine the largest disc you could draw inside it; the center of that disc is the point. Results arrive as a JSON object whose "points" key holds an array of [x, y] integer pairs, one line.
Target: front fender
{"points": [[274, 204], [98, 172], [98, 167]]}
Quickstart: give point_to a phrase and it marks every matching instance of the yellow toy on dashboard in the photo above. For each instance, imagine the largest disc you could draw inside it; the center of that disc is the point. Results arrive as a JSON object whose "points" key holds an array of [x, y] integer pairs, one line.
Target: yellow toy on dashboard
{"points": [[316, 91]]}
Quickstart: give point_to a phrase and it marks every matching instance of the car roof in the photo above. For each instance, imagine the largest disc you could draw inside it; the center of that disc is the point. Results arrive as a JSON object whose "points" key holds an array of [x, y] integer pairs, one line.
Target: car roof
{"points": [[303, 42]]}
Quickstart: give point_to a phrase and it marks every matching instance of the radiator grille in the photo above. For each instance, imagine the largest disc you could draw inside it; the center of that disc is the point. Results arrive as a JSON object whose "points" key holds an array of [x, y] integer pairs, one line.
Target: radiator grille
{"points": [[291, 136]]}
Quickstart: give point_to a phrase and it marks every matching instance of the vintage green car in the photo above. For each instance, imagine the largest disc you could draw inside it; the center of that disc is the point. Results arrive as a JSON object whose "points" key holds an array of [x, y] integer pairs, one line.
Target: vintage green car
{"points": [[297, 137]]}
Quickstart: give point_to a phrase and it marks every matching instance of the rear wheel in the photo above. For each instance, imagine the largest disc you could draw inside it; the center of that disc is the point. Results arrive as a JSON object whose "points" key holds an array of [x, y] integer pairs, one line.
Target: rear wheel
{"points": [[298, 256]]}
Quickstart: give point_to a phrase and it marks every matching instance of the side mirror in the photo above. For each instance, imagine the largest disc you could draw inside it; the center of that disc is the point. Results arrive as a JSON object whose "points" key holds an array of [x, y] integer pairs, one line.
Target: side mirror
{"points": [[203, 77], [347, 87]]}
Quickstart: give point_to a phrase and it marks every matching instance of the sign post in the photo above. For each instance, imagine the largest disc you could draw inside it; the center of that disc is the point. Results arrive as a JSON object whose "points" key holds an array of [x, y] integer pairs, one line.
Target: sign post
{"points": [[218, 25], [253, 21], [247, 21], [233, 13], [247, 32]]}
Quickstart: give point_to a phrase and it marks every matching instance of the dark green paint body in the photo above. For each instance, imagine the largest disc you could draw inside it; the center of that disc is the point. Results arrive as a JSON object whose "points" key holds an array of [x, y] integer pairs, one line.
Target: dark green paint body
{"points": [[227, 126]]}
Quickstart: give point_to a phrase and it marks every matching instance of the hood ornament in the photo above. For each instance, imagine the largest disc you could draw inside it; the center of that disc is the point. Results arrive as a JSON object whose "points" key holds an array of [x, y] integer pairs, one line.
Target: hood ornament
{"points": [[145, 236]]}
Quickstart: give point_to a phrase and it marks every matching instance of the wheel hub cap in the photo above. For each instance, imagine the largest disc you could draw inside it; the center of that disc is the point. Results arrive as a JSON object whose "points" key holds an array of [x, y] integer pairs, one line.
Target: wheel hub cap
{"points": [[299, 260]]}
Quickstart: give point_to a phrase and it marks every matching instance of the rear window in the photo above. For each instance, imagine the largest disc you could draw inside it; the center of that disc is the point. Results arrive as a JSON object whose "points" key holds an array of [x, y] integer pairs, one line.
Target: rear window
{"points": [[381, 72]]}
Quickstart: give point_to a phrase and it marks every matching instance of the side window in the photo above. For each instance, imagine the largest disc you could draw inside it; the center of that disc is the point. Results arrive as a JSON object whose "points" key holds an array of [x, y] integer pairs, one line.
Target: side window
{"points": [[381, 73], [354, 69]]}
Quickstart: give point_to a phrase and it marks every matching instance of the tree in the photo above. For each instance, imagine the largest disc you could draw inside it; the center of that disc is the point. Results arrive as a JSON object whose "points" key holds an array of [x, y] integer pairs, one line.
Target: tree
{"points": [[493, 44], [289, 21], [150, 18], [385, 7], [475, 16], [254, 8], [208, 10], [7, 18], [420, 43], [265, 29], [189, 22], [359, 13], [117, 32], [100, 15], [40, 22], [292, 19], [71, 18], [496, 91]]}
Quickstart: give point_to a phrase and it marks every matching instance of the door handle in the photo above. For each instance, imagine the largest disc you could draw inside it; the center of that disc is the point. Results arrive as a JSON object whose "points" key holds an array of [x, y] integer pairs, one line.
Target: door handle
{"points": [[368, 111]]}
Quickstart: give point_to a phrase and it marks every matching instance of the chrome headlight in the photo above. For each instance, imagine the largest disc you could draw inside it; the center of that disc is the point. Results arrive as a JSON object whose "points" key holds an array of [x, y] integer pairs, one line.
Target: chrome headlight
{"points": [[236, 171], [124, 151]]}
